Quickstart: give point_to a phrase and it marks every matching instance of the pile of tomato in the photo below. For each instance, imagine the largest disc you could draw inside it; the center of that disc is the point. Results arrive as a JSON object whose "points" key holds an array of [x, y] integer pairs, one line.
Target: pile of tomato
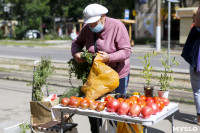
{"points": [[133, 106]]}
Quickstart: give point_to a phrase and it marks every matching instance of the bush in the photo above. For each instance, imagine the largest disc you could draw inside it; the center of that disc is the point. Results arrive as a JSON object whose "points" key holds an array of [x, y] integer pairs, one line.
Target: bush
{"points": [[1, 34], [20, 32]]}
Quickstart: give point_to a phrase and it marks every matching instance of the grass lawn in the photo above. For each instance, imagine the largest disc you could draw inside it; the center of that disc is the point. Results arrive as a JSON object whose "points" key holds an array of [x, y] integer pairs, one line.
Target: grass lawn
{"points": [[25, 43]]}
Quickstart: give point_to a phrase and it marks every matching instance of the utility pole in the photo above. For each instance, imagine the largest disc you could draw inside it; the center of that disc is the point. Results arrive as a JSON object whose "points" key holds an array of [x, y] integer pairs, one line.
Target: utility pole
{"points": [[158, 27], [169, 27]]}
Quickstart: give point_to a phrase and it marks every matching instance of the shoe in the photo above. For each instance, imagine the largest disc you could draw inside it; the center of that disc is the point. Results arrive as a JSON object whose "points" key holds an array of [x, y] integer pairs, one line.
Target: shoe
{"points": [[195, 121]]}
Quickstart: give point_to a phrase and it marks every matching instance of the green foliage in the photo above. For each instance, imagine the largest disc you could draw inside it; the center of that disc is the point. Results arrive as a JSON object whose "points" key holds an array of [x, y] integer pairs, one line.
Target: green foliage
{"points": [[24, 127], [147, 66], [80, 70], [20, 32], [43, 71], [166, 78], [1, 34], [145, 40]]}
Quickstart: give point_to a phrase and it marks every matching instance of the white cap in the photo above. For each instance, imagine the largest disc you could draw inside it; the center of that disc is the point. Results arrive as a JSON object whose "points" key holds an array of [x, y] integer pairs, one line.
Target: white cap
{"points": [[93, 13]]}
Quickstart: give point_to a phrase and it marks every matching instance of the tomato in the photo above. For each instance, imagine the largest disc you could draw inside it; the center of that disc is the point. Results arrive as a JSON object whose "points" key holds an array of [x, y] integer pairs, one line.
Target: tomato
{"points": [[143, 97], [84, 100], [93, 106], [84, 105], [155, 98], [134, 98], [120, 100], [112, 105], [161, 105], [108, 98], [154, 106], [150, 100], [73, 97], [73, 103], [100, 107], [105, 102], [65, 101], [142, 104], [140, 99], [147, 112], [79, 100], [90, 100], [135, 110], [123, 108], [165, 100]]}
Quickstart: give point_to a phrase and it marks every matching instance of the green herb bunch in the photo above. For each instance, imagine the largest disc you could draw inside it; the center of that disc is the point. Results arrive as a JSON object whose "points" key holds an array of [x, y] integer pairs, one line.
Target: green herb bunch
{"points": [[81, 71], [147, 66], [43, 71], [166, 78]]}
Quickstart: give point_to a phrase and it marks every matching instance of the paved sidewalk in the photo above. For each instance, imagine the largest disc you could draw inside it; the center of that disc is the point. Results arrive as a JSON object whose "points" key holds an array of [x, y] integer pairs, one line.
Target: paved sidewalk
{"points": [[14, 106]]}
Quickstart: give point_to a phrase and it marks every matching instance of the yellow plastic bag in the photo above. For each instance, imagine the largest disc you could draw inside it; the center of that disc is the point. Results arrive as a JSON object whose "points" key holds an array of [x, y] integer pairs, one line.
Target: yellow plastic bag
{"points": [[124, 128], [101, 80]]}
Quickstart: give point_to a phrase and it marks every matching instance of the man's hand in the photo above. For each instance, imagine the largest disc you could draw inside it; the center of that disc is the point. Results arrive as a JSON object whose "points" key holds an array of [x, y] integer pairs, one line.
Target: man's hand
{"points": [[104, 56], [197, 21], [77, 57]]}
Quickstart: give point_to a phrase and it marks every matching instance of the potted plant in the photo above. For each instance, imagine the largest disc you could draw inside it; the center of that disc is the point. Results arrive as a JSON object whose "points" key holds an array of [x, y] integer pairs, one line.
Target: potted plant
{"points": [[147, 73], [165, 78]]}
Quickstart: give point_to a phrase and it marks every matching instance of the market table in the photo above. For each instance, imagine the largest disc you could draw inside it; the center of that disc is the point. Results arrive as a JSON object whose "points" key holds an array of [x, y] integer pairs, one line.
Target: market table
{"points": [[167, 112]]}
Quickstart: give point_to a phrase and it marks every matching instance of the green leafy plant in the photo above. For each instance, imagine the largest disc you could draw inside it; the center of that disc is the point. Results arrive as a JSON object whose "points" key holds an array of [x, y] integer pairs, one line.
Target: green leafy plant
{"points": [[43, 71], [24, 127], [80, 70], [147, 66], [165, 78]]}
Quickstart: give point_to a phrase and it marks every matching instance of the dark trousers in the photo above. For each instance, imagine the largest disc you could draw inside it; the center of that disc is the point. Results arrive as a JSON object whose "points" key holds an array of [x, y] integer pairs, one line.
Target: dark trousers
{"points": [[95, 123]]}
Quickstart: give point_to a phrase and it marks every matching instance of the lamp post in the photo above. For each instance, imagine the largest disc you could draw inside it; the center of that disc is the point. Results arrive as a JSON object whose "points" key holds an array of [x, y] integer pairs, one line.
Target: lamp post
{"points": [[169, 27]]}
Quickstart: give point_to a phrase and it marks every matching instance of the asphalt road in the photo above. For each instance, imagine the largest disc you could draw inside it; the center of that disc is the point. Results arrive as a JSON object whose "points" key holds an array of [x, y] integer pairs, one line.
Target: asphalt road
{"points": [[64, 54]]}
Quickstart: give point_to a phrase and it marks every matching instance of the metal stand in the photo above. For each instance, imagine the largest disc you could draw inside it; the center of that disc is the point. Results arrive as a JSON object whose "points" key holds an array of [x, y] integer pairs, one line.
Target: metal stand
{"points": [[171, 119]]}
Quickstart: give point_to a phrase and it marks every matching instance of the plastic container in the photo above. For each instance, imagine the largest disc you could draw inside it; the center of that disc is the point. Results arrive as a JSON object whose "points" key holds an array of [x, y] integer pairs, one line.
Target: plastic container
{"points": [[137, 94]]}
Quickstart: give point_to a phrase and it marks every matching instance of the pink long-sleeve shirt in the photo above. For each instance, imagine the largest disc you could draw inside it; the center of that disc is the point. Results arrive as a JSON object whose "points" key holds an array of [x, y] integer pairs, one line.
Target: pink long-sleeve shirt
{"points": [[113, 39]]}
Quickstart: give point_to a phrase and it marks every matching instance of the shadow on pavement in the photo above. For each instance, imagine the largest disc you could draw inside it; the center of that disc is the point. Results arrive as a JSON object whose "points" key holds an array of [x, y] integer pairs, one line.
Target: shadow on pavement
{"points": [[154, 130], [187, 118]]}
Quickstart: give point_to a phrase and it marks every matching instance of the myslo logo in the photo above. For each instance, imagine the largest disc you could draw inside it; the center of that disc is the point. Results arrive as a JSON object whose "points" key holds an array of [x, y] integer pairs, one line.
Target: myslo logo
{"points": [[186, 129]]}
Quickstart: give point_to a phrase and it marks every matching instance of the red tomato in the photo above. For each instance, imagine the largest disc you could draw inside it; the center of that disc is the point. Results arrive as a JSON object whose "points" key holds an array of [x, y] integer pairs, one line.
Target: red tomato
{"points": [[150, 100], [161, 105], [154, 106], [143, 97], [79, 100], [140, 99], [100, 107], [84, 105], [93, 106], [91, 100], [130, 101], [123, 108], [108, 98], [142, 104], [73, 97], [134, 98], [156, 98], [165, 100], [135, 110], [65, 101], [73, 103], [84, 100], [112, 105], [120, 100], [146, 112]]}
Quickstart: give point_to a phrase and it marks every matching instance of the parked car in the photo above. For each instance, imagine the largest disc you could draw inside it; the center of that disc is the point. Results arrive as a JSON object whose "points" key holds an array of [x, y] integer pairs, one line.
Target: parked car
{"points": [[32, 34]]}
